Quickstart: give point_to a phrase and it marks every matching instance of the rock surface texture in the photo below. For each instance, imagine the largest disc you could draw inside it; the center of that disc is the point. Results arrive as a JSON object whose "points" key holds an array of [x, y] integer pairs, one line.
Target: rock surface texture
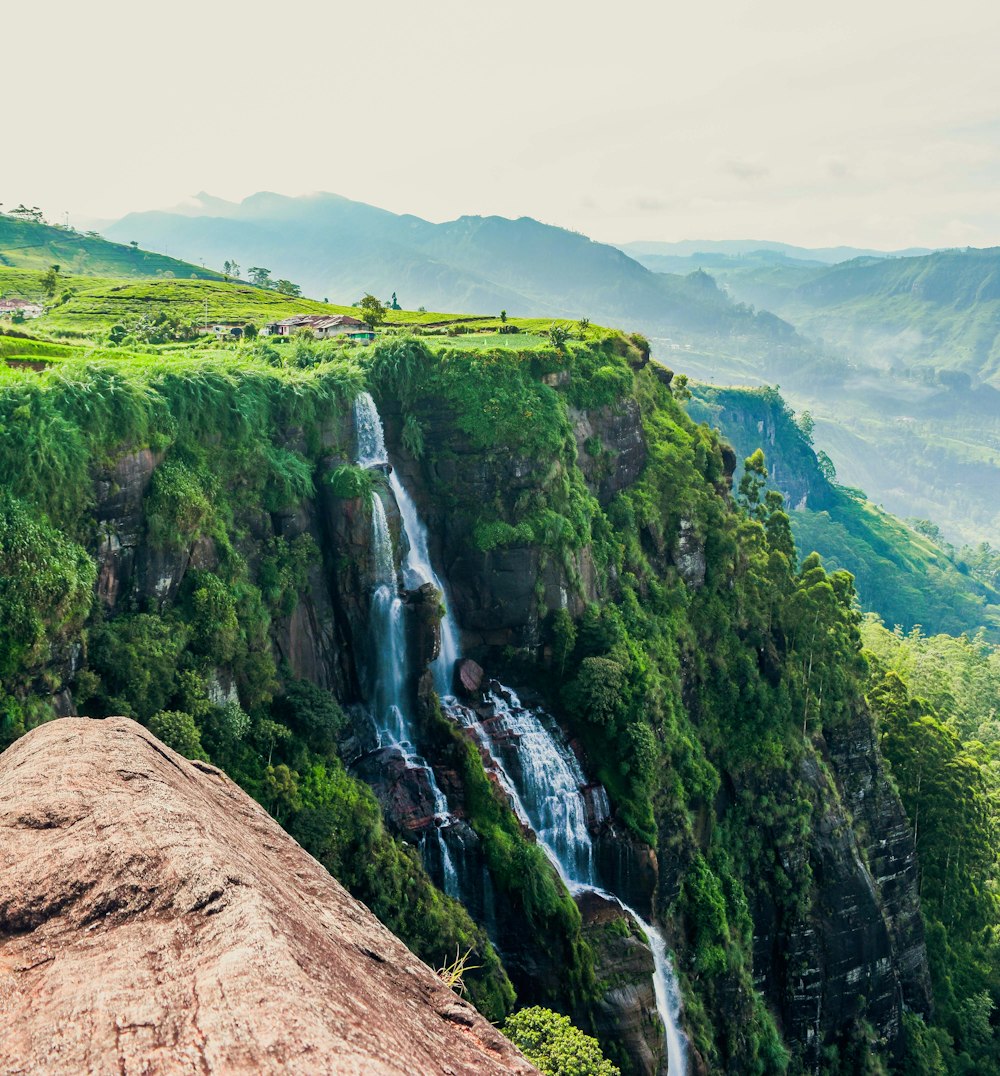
{"points": [[154, 919]]}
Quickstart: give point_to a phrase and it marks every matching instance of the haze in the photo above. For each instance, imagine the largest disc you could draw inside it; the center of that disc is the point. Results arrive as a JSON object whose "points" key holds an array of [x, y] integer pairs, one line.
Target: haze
{"points": [[865, 124]]}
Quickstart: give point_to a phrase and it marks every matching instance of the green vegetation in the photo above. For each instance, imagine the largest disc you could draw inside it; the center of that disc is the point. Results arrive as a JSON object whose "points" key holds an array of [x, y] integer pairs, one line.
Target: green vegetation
{"points": [[906, 574], [704, 668], [554, 1046], [217, 421], [936, 702]]}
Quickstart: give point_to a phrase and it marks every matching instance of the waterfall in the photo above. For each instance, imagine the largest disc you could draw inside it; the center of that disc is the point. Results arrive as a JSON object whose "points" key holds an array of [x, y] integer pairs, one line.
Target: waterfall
{"points": [[417, 570], [544, 781], [369, 432], [389, 675]]}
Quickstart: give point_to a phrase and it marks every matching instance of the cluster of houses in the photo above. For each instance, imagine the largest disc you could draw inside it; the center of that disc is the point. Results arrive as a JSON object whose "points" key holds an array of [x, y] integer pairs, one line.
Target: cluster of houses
{"points": [[22, 307], [322, 326]]}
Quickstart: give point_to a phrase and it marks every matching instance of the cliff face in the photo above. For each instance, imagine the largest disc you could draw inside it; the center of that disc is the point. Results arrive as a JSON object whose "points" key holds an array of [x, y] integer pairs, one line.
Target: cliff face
{"points": [[154, 917], [824, 922]]}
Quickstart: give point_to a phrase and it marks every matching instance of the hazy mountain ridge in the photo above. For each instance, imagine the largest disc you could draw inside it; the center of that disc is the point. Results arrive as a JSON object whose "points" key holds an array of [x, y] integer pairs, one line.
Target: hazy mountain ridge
{"points": [[339, 248]]}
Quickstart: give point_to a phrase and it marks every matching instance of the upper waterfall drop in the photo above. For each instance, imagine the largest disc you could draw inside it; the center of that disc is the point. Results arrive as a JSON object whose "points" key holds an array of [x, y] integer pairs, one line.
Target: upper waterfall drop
{"points": [[370, 435], [417, 567]]}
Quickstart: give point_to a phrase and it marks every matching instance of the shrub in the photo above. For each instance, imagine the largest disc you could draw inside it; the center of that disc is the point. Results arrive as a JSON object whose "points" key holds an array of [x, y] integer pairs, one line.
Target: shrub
{"points": [[557, 1048]]}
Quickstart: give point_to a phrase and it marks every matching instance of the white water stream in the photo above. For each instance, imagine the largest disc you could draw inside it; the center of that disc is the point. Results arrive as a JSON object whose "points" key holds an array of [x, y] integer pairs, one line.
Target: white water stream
{"points": [[540, 773], [545, 783], [390, 681]]}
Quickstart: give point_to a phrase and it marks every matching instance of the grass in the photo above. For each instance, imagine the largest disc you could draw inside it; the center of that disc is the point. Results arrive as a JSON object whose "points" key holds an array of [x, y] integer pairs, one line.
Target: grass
{"points": [[31, 246], [87, 307]]}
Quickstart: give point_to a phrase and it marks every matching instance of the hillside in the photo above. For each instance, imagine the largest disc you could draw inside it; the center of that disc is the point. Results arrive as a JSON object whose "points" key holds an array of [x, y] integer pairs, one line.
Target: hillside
{"points": [[217, 525], [917, 316], [899, 573], [26, 244]]}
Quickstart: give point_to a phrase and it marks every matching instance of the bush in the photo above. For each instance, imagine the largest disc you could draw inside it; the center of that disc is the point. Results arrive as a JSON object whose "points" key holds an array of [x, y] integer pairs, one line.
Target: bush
{"points": [[554, 1046]]}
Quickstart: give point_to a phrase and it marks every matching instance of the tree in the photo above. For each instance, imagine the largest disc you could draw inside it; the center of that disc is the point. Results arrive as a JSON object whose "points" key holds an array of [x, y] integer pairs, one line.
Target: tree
{"points": [[826, 467], [503, 317], [259, 276], [286, 287], [34, 214], [807, 425], [680, 389], [752, 484], [178, 730], [559, 334], [374, 312], [50, 280], [394, 303]]}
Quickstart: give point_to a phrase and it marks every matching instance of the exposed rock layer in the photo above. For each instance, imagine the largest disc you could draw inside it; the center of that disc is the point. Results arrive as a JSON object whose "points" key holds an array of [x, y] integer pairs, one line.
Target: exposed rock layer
{"points": [[153, 918]]}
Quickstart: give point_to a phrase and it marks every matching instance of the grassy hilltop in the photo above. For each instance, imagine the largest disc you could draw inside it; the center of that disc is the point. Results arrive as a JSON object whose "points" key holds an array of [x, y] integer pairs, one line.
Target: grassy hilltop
{"points": [[26, 244]]}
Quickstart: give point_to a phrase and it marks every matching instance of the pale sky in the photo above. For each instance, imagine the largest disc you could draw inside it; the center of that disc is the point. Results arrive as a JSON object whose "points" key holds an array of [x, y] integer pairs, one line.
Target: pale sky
{"points": [[862, 122]]}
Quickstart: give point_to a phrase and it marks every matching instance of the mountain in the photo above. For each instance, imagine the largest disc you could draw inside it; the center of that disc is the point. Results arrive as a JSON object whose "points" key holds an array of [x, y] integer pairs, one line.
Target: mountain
{"points": [[340, 248], [737, 249], [28, 244], [914, 316], [192, 933]]}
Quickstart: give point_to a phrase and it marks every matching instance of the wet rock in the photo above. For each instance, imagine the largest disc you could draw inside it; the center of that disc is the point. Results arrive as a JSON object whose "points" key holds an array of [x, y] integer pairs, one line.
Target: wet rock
{"points": [[402, 788], [118, 494], [154, 918], [468, 677], [624, 1016], [690, 555], [424, 606], [626, 866]]}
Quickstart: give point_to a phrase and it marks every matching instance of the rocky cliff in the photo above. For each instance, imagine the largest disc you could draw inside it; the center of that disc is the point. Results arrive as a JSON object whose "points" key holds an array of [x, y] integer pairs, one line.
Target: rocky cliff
{"points": [[154, 918]]}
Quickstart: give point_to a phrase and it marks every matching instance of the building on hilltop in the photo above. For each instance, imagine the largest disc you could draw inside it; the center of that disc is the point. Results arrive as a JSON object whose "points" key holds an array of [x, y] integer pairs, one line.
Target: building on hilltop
{"points": [[324, 326]]}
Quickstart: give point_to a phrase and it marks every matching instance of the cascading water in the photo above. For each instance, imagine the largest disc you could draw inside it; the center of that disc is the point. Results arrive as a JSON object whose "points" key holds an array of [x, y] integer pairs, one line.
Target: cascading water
{"points": [[417, 570], [389, 674], [544, 781], [540, 774]]}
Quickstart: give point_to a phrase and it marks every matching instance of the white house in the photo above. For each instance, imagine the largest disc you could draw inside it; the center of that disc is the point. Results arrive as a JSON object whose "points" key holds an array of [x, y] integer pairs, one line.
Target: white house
{"points": [[324, 326]]}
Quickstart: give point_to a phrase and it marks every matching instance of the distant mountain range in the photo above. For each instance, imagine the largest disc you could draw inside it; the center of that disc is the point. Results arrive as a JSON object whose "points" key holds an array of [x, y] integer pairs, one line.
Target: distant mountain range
{"points": [[339, 249], [702, 253]]}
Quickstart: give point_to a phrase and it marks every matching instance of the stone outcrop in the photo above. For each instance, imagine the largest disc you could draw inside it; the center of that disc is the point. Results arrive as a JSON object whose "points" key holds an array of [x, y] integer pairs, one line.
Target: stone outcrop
{"points": [[858, 951], [625, 1011], [153, 918], [611, 449]]}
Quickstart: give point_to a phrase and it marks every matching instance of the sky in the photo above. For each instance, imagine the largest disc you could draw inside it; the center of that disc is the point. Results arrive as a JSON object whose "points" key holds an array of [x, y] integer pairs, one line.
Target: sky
{"points": [[872, 123]]}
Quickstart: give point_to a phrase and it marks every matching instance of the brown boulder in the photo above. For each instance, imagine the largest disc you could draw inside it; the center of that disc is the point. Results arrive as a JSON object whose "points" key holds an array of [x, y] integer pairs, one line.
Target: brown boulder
{"points": [[469, 677], [154, 919]]}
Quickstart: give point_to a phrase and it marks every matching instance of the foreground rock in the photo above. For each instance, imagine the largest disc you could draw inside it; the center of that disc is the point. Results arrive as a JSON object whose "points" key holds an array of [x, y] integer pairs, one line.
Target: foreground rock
{"points": [[154, 919]]}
